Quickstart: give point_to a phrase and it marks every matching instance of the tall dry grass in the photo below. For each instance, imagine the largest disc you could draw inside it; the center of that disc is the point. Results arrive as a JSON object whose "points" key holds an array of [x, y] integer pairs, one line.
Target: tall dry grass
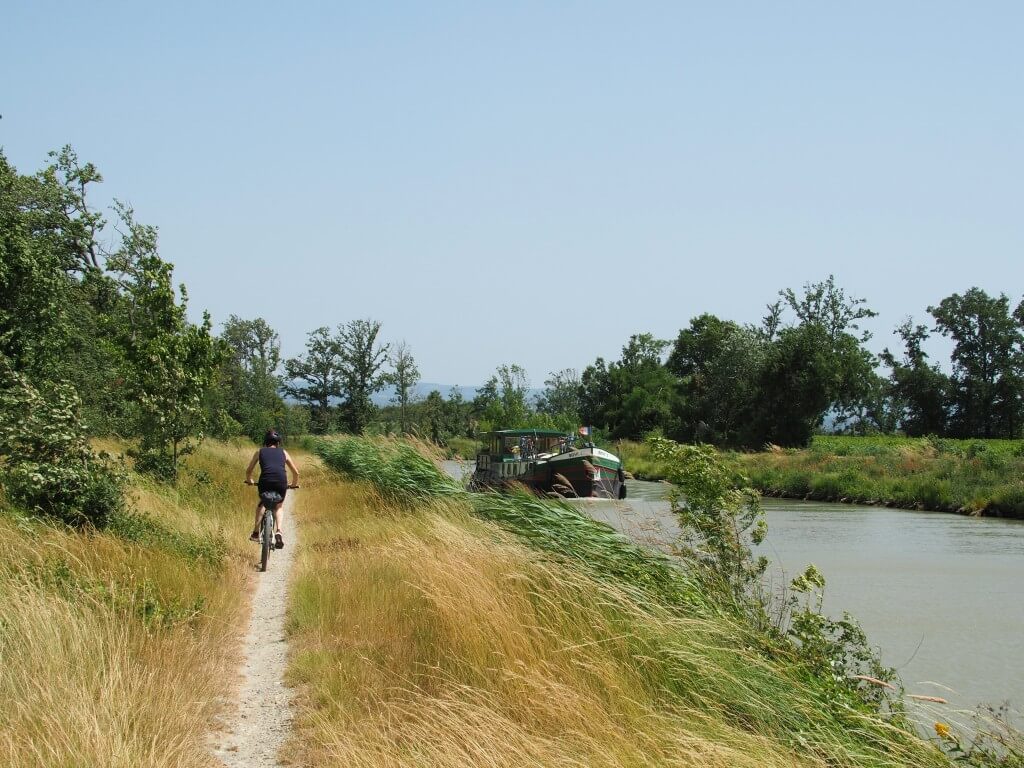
{"points": [[426, 637], [116, 648]]}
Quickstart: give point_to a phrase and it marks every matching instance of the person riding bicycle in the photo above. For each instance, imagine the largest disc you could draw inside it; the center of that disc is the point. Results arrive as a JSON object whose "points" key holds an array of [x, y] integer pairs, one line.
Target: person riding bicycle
{"points": [[273, 459]]}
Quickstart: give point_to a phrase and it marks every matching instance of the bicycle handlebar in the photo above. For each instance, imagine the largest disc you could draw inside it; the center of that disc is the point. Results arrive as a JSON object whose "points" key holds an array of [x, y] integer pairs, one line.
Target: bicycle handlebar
{"points": [[253, 482]]}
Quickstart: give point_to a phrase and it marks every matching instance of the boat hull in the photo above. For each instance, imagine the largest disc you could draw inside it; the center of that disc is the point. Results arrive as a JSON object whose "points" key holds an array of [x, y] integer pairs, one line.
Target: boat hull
{"points": [[584, 473]]}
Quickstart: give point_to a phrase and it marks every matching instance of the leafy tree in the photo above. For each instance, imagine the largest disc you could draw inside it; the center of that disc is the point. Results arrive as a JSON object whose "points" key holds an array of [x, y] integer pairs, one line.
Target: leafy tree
{"points": [[404, 376], [595, 394], [919, 391], [433, 418], [315, 378], [501, 402], [250, 374], [826, 305], [717, 363], [362, 359], [168, 363], [639, 389], [987, 362], [796, 386], [841, 369], [561, 398], [34, 286]]}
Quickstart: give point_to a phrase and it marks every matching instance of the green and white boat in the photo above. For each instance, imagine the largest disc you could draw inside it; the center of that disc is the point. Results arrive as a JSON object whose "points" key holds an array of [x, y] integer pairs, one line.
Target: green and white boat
{"points": [[548, 462]]}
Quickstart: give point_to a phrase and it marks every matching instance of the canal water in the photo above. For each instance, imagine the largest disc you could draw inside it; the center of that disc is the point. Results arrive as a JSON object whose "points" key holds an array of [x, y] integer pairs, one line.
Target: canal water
{"points": [[941, 596]]}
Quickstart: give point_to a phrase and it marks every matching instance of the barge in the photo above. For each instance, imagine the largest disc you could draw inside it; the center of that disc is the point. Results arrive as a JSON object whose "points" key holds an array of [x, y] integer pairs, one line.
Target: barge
{"points": [[548, 462]]}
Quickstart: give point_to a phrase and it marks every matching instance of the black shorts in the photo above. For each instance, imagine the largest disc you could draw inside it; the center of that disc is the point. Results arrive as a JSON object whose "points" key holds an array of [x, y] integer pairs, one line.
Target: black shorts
{"points": [[277, 486]]}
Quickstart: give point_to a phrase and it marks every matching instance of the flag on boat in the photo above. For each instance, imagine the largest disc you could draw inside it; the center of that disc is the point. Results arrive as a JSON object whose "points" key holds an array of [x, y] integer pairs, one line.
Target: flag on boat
{"points": [[585, 431]]}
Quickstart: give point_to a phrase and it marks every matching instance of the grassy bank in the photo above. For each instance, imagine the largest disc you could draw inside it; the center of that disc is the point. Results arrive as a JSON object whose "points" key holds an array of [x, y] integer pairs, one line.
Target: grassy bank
{"points": [[115, 647], [968, 476], [433, 629]]}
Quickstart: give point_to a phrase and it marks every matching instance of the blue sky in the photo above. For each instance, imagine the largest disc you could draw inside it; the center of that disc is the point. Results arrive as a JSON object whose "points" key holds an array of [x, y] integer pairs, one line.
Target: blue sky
{"points": [[533, 182]]}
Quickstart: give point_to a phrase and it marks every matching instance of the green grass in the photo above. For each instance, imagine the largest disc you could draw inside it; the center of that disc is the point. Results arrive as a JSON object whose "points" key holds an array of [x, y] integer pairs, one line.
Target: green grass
{"points": [[969, 476]]}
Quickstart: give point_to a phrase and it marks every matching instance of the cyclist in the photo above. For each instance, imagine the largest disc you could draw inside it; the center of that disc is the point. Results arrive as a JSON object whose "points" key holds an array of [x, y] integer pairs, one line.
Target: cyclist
{"points": [[273, 459]]}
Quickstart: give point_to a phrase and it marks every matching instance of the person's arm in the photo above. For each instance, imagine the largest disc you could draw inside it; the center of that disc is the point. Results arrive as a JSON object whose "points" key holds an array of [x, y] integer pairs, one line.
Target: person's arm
{"points": [[251, 467], [291, 465]]}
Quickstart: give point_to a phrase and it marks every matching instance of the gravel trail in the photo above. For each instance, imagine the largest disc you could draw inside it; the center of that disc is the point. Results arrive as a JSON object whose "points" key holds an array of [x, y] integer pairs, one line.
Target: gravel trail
{"points": [[259, 722]]}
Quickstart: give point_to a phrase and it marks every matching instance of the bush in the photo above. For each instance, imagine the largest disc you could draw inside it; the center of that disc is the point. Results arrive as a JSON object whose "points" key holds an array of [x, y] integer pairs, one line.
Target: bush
{"points": [[46, 464]]}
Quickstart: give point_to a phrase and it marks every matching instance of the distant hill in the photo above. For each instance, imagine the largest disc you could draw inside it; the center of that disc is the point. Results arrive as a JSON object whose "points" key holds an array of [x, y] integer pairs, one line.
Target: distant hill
{"points": [[424, 388]]}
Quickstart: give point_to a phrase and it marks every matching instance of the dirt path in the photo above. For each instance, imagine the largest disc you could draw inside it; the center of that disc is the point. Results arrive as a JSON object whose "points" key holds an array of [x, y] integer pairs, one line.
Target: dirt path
{"points": [[260, 721]]}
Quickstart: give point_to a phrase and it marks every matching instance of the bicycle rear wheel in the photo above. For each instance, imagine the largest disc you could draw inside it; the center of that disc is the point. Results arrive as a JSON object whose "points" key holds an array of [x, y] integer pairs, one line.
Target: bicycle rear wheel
{"points": [[266, 539]]}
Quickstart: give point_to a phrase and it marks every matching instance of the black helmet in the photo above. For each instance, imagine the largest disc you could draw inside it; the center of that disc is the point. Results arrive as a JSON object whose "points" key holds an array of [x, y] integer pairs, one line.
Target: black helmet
{"points": [[272, 438]]}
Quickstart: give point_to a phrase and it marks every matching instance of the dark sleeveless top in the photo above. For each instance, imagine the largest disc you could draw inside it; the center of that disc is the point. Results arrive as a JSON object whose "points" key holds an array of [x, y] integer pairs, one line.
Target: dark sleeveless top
{"points": [[272, 467]]}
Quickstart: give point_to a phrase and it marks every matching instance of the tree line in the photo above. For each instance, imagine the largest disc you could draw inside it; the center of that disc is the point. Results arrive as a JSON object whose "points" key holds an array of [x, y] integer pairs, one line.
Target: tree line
{"points": [[741, 385], [95, 340]]}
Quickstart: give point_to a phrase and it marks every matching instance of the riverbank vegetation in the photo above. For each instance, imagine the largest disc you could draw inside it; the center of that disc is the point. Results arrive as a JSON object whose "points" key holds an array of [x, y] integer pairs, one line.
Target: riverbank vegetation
{"points": [[117, 645], [456, 628], [978, 477]]}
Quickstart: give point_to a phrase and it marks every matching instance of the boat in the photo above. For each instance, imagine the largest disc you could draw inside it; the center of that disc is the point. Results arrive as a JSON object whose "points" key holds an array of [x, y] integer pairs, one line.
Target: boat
{"points": [[548, 462]]}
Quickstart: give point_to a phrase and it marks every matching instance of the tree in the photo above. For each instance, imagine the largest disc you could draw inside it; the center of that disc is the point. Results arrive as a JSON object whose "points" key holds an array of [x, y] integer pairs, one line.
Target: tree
{"points": [[796, 386], [315, 378], [34, 286], [717, 363], [595, 394], [250, 374], [168, 363], [842, 368], [404, 376], [826, 305], [919, 392], [501, 402], [640, 390], [362, 359], [987, 362], [561, 399]]}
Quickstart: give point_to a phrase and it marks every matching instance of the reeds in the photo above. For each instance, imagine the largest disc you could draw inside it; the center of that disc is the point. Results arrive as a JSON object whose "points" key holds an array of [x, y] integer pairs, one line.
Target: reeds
{"points": [[440, 639]]}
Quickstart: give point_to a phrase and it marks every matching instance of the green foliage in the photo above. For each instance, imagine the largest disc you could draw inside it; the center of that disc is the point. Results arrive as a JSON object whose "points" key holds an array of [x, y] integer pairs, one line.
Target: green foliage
{"points": [[501, 401], [404, 377], [988, 362], [315, 378], [919, 391], [836, 650], [561, 400], [717, 363], [168, 363], [975, 476], [362, 360], [248, 401], [633, 395], [46, 464], [716, 517], [146, 531]]}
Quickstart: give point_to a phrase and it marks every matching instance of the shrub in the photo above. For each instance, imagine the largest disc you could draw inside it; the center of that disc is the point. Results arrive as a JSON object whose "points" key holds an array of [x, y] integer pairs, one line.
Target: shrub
{"points": [[46, 464]]}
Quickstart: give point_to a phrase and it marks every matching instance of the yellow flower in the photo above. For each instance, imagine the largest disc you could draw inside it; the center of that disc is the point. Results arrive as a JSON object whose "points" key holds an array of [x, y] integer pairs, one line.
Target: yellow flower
{"points": [[943, 730]]}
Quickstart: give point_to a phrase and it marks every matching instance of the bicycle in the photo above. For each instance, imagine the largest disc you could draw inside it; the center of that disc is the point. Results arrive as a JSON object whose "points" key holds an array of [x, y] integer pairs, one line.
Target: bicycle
{"points": [[271, 500]]}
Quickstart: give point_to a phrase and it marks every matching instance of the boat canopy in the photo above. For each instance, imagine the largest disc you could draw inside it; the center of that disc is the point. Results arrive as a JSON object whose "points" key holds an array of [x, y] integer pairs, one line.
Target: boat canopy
{"points": [[528, 433]]}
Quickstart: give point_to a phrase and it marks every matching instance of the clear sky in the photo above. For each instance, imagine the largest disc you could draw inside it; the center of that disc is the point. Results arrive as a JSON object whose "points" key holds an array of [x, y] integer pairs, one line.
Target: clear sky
{"points": [[533, 182]]}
